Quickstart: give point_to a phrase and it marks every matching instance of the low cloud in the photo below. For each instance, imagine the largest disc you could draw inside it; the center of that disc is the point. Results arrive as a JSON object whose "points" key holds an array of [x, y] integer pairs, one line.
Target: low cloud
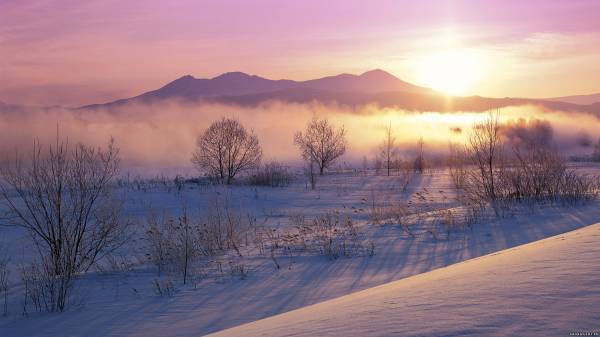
{"points": [[159, 138]]}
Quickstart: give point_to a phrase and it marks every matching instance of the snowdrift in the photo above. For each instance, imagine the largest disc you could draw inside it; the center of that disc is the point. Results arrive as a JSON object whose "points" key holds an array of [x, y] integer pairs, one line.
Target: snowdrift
{"points": [[548, 287]]}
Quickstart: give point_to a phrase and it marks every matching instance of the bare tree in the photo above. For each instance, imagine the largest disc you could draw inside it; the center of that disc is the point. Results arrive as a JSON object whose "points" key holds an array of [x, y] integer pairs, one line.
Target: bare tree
{"points": [[62, 198], [485, 149], [321, 143], [388, 148], [4, 274], [226, 149], [419, 163]]}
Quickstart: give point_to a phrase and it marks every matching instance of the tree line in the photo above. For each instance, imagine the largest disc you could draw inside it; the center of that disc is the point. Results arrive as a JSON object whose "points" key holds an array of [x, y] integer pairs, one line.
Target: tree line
{"points": [[62, 196]]}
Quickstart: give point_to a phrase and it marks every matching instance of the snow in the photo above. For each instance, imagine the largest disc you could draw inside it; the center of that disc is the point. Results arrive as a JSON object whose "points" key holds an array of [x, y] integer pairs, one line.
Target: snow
{"points": [[549, 287], [123, 303]]}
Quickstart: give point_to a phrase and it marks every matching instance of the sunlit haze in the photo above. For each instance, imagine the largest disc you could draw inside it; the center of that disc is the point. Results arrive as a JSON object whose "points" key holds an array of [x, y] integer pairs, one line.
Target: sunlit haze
{"points": [[299, 168], [72, 53]]}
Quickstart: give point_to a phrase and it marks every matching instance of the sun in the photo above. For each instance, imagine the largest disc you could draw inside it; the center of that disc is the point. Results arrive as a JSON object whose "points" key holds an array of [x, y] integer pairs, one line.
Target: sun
{"points": [[453, 71]]}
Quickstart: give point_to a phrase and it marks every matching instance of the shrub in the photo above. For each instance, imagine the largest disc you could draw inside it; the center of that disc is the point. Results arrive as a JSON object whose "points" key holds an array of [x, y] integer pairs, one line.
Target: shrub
{"points": [[173, 243], [533, 171], [272, 174], [163, 288], [4, 274], [62, 198], [332, 235]]}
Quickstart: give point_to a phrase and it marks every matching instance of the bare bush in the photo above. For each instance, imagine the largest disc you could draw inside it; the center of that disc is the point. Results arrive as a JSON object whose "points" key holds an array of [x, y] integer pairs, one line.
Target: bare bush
{"points": [[117, 264], [536, 171], [457, 166], [62, 198], [535, 174], [237, 268], [185, 245], [172, 243], [40, 288], [176, 245], [450, 221], [331, 234], [4, 275], [376, 208], [387, 150], [163, 287], [271, 174], [400, 214], [419, 162], [321, 143], [226, 149], [223, 228], [159, 244], [533, 170]]}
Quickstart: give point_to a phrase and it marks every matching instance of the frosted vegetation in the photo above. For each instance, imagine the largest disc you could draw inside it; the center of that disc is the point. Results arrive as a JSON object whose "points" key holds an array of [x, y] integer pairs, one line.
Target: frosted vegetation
{"points": [[246, 239], [534, 291]]}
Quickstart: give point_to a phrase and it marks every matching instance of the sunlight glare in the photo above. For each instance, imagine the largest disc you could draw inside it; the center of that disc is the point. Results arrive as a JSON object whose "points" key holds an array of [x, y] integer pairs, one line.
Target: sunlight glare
{"points": [[453, 72]]}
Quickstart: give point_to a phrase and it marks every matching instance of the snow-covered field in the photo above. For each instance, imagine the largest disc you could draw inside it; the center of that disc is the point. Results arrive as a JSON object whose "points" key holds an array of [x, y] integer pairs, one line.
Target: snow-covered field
{"points": [[545, 288], [123, 303]]}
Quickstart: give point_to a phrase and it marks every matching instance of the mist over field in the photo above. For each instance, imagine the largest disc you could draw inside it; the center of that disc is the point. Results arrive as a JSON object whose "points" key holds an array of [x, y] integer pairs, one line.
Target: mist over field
{"points": [[306, 168], [160, 137]]}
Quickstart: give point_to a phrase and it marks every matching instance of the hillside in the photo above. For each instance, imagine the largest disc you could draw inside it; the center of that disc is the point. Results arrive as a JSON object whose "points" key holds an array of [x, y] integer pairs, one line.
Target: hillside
{"points": [[235, 84], [578, 99], [124, 303], [372, 87], [549, 287]]}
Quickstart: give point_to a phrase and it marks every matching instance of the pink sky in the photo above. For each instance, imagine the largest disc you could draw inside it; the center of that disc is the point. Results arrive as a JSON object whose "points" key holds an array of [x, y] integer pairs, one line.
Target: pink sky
{"points": [[77, 52]]}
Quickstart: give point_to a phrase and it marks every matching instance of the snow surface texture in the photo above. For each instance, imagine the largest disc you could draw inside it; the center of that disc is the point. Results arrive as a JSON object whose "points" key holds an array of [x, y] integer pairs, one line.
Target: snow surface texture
{"points": [[124, 303], [546, 288]]}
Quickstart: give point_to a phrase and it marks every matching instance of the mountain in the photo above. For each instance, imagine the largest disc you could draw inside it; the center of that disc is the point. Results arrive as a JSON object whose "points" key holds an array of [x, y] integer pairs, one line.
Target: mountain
{"points": [[578, 99], [11, 108], [372, 87], [234, 84], [370, 82]]}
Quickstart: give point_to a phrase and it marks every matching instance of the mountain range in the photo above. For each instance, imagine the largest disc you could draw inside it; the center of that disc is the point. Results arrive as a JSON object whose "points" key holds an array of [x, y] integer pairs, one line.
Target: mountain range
{"points": [[578, 99], [372, 87], [247, 88]]}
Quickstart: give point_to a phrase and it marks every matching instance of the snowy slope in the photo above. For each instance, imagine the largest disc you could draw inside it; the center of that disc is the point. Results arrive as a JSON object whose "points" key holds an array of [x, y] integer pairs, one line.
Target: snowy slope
{"points": [[549, 288], [124, 303]]}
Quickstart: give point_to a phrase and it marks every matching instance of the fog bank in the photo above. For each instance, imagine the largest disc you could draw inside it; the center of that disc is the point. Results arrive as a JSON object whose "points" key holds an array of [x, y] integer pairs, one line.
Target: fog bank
{"points": [[156, 138]]}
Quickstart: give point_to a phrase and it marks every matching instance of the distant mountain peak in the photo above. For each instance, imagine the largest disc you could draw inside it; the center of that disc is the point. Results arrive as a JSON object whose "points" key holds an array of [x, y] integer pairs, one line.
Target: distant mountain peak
{"points": [[237, 83], [373, 86], [182, 81], [185, 78], [233, 75], [378, 74]]}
